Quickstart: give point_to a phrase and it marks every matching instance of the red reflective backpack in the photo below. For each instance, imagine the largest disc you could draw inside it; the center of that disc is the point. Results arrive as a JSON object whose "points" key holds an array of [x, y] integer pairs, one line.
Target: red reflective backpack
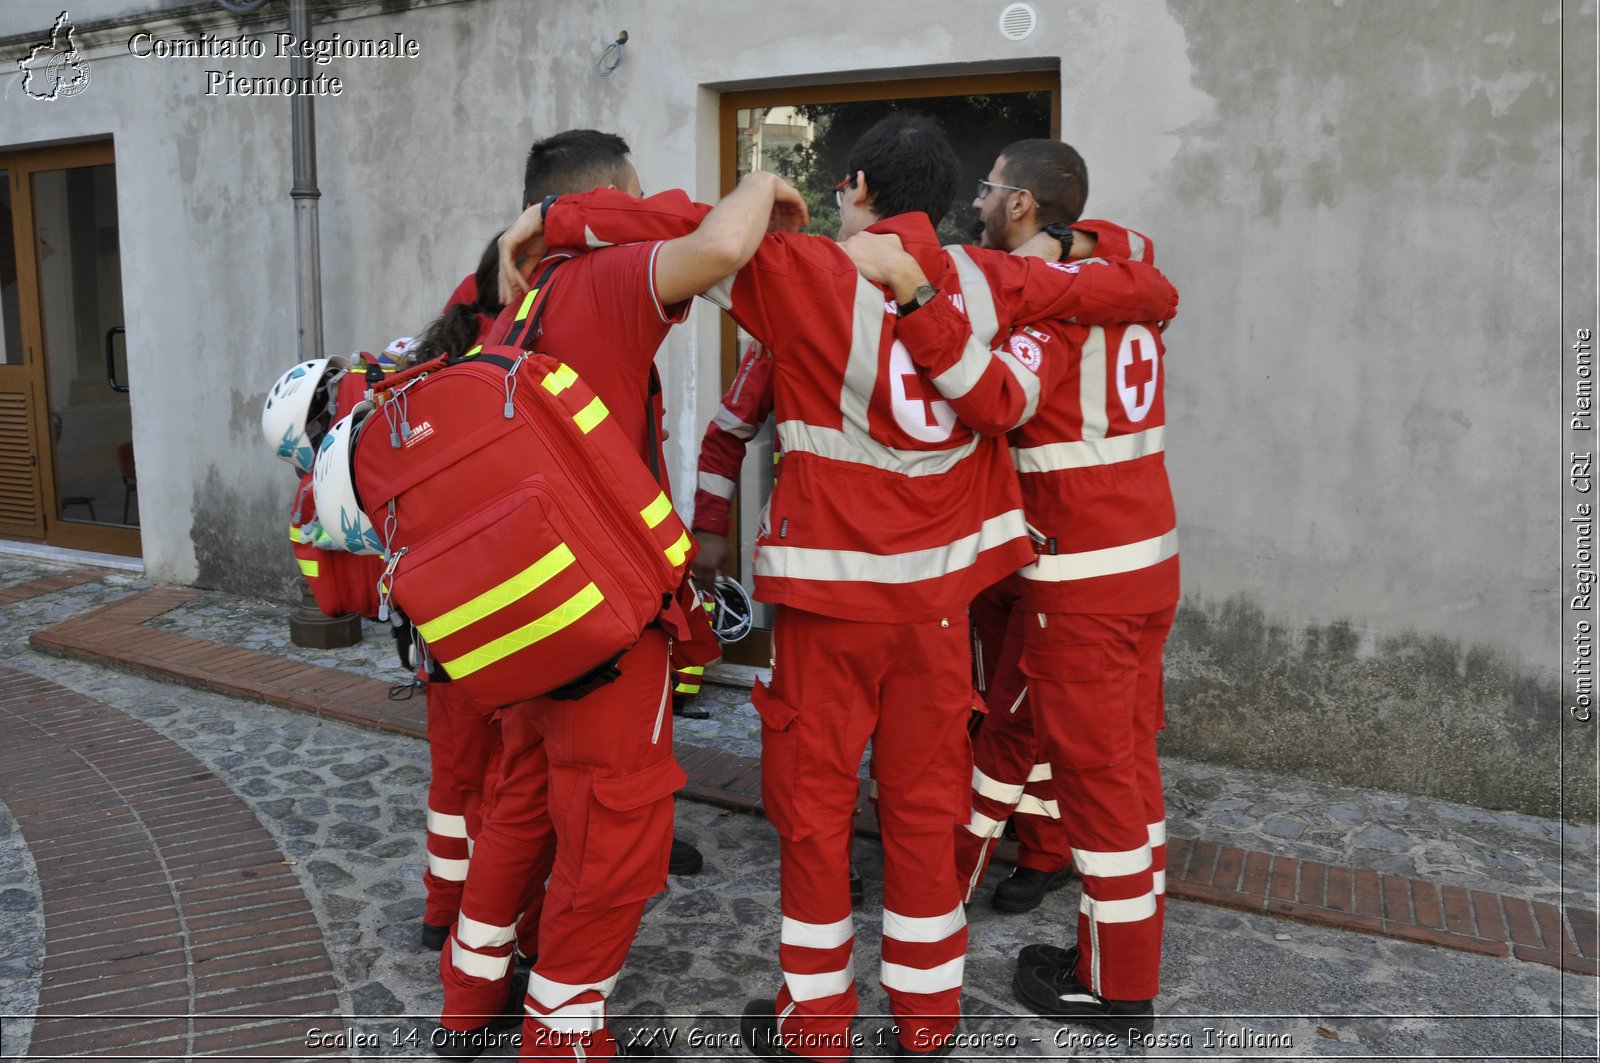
{"points": [[526, 539]]}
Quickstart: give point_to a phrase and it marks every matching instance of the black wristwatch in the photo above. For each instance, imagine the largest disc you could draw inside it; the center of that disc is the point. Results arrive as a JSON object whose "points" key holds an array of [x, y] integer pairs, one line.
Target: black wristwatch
{"points": [[544, 209], [1062, 233], [921, 297]]}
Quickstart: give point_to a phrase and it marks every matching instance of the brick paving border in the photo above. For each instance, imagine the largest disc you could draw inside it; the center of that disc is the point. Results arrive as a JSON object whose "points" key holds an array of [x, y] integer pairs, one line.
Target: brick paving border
{"points": [[143, 911], [59, 581], [1326, 895]]}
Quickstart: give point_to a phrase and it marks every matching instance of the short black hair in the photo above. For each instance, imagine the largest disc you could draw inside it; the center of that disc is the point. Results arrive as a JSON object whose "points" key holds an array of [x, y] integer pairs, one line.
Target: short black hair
{"points": [[1054, 172], [910, 166], [574, 161]]}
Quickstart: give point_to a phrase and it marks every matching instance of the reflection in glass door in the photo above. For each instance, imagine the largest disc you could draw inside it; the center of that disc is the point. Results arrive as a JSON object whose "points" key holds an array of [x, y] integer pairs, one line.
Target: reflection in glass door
{"points": [[80, 296]]}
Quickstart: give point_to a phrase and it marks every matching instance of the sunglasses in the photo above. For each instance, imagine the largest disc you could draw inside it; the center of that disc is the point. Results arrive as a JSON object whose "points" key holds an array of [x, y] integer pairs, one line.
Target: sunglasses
{"points": [[984, 186], [838, 191]]}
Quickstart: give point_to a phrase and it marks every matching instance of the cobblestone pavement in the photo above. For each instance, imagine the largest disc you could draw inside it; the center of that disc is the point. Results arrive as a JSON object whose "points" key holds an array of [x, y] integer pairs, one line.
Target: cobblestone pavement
{"points": [[346, 805]]}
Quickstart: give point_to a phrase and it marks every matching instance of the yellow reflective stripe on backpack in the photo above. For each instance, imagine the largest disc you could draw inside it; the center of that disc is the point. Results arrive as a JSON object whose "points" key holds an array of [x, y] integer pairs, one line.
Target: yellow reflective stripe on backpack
{"points": [[308, 567], [678, 551], [498, 597], [527, 303], [560, 380], [591, 415], [562, 616], [473, 352], [657, 511], [294, 533]]}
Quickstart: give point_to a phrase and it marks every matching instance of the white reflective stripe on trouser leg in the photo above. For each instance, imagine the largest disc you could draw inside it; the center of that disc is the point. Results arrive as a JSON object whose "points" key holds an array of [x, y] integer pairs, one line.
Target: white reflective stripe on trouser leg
{"points": [[995, 790], [1111, 865], [478, 935], [1158, 833], [923, 928], [554, 1011], [984, 827], [1032, 806], [445, 825], [1040, 773], [816, 935], [804, 987], [447, 869], [1132, 910], [477, 965], [899, 978]]}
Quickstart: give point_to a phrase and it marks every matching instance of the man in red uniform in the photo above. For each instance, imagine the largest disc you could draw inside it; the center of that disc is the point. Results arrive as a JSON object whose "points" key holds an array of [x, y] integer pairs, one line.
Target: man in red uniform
{"points": [[888, 516], [593, 778], [1094, 609]]}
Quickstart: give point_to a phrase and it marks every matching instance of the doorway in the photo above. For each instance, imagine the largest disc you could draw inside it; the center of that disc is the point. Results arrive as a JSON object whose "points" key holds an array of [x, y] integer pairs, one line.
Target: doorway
{"points": [[68, 476], [804, 135]]}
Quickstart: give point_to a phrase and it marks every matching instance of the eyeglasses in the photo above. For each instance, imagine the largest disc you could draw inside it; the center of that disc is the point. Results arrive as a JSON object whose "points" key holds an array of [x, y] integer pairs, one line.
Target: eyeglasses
{"points": [[984, 186], [838, 191]]}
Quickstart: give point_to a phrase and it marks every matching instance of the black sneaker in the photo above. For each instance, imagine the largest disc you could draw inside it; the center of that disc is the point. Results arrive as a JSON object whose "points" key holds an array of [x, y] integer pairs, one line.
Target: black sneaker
{"points": [[1041, 955], [433, 937], [758, 1029], [858, 890], [501, 1032], [685, 708], [1057, 994], [1025, 889], [685, 859]]}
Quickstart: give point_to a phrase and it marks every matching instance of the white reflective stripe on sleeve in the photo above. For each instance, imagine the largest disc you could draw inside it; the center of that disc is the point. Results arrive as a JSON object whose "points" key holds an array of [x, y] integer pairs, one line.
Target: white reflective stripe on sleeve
{"points": [[1040, 773], [1160, 879], [976, 297], [1132, 910], [923, 928], [816, 935], [1111, 865], [572, 1019], [796, 562], [1158, 833], [482, 935], [804, 987], [551, 995], [447, 869], [899, 978], [1135, 246], [1032, 806], [592, 240], [711, 483], [1087, 564], [1028, 382], [730, 423], [994, 789], [984, 827], [834, 443], [478, 965], [1092, 384], [445, 825], [721, 292], [1089, 453]]}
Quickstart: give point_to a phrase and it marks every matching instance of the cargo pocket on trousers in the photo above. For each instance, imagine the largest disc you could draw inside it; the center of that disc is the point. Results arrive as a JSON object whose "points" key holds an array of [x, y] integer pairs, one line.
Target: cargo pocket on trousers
{"points": [[780, 763], [1072, 700], [628, 839]]}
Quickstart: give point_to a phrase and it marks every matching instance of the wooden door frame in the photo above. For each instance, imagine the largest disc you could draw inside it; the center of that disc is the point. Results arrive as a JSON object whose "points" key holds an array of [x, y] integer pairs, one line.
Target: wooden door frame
{"points": [[757, 648], [21, 165]]}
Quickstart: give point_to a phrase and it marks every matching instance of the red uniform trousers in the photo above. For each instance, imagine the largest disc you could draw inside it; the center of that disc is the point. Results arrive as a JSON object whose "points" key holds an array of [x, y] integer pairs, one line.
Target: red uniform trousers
{"points": [[584, 797], [463, 748], [906, 688], [1010, 778], [1096, 685]]}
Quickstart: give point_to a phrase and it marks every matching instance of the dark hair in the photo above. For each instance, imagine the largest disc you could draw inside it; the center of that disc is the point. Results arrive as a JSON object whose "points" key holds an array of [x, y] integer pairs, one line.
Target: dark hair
{"points": [[456, 330], [574, 161], [1054, 172], [910, 166]]}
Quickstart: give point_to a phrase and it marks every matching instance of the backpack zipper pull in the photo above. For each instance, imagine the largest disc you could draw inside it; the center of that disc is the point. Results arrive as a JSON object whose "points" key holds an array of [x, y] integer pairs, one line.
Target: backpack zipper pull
{"points": [[386, 582], [511, 384]]}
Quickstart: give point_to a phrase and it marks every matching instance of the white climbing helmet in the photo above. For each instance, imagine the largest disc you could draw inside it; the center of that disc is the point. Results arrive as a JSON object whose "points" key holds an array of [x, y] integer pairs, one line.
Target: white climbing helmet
{"points": [[731, 612], [299, 409], [337, 505]]}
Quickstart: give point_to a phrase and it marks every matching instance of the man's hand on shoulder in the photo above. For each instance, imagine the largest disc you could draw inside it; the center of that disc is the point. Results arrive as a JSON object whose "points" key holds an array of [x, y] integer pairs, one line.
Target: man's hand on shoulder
{"points": [[524, 241], [883, 259]]}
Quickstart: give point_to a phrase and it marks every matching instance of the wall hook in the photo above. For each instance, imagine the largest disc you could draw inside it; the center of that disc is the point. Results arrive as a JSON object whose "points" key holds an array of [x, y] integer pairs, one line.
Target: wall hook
{"points": [[611, 58]]}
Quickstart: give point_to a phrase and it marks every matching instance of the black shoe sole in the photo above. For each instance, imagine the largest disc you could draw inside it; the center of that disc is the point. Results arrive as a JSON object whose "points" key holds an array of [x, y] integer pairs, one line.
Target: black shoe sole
{"points": [[689, 864], [1030, 984], [1056, 881]]}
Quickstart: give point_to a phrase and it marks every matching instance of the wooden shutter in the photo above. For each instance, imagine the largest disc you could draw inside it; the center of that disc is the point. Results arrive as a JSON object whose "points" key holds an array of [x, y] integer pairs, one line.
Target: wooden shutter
{"points": [[21, 506]]}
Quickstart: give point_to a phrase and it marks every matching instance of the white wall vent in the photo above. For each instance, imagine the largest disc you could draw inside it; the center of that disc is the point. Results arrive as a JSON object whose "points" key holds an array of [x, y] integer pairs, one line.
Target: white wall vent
{"points": [[1017, 21]]}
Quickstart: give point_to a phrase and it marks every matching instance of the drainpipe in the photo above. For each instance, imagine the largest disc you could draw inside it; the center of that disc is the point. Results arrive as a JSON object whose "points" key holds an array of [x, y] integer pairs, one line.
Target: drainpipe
{"points": [[307, 625]]}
